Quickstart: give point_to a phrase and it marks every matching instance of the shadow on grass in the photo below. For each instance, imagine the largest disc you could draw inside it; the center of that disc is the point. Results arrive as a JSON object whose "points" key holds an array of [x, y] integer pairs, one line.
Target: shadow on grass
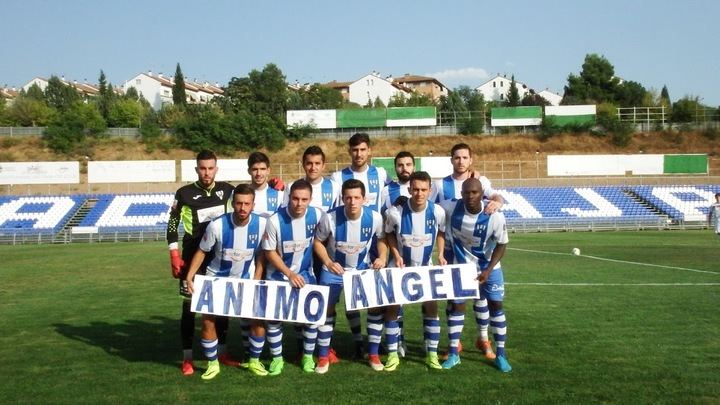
{"points": [[154, 340]]}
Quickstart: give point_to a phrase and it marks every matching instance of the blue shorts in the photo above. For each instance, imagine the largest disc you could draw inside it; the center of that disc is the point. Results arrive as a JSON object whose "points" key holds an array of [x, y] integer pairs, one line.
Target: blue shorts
{"points": [[335, 291], [493, 289]]}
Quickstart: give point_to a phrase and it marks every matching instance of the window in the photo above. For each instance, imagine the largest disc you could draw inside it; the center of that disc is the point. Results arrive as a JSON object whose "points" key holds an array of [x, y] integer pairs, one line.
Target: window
{"points": [[501, 84], [137, 81], [494, 84], [502, 96]]}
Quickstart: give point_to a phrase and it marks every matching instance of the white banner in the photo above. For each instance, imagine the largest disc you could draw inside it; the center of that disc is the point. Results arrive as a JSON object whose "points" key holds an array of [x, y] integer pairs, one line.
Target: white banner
{"points": [[436, 166], [131, 171], [260, 299], [604, 165], [321, 119], [228, 170], [39, 173], [396, 286]]}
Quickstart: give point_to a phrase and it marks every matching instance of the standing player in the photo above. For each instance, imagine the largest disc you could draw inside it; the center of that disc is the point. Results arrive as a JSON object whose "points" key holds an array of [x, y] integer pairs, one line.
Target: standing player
{"points": [[326, 191], [404, 167], [412, 231], [196, 205], [715, 211], [288, 247], [374, 179], [325, 195], [234, 238], [449, 189], [480, 238], [267, 199], [342, 242]]}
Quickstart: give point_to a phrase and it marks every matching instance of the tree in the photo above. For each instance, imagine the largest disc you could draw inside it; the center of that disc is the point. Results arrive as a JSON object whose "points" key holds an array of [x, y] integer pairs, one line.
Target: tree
{"points": [[378, 103], [630, 94], [29, 112], [665, 97], [513, 97], [686, 109], [595, 84], [69, 130], [35, 92], [125, 113], [178, 89], [132, 93], [60, 95], [105, 97], [315, 97], [531, 98]]}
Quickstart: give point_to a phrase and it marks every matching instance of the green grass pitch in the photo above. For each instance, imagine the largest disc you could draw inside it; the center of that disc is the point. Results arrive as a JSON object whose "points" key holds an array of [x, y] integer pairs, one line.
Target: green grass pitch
{"points": [[89, 323]]}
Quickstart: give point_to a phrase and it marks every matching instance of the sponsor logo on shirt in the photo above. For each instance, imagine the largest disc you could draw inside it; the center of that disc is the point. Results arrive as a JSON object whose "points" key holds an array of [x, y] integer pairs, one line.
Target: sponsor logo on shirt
{"points": [[296, 246], [349, 248], [237, 255], [415, 241]]}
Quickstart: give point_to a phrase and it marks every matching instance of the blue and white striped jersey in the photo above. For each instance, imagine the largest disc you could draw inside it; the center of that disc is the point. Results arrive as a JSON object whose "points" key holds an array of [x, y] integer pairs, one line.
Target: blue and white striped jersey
{"points": [[292, 238], [348, 241], [415, 232], [267, 201], [235, 247], [374, 179], [391, 192], [449, 189], [325, 194], [473, 237]]}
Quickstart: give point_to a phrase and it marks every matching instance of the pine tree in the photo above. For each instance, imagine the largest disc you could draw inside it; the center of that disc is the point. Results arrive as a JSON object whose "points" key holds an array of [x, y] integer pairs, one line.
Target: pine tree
{"points": [[178, 90], [513, 97], [665, 97]]}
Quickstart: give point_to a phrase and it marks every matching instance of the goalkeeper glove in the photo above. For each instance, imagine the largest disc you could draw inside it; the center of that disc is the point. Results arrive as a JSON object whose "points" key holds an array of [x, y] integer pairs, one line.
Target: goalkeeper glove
{"points": [[277, 183], [176, 263]]}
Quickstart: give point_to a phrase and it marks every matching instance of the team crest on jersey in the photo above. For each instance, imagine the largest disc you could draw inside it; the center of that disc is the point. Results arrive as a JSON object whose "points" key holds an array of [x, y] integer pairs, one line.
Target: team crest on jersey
{"points": [[327, 196], [430, 223], [272, 200], [366, 231], [373, 182], [220, 194], [480, 227], [252, 238]]}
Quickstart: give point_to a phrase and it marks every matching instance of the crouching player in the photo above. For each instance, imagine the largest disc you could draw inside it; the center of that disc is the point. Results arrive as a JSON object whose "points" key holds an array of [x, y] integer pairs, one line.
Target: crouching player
{"points": [[288, 244], [412, 231], [235, 240], [342, 241], [480, 238]]}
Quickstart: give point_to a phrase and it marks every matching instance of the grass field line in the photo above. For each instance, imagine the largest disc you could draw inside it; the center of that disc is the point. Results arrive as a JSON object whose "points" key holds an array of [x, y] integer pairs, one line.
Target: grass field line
{"points": [[616, 284], [619, 261]]}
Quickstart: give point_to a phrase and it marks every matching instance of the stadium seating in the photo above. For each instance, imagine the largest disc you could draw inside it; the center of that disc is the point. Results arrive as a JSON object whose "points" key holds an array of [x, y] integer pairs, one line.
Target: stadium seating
{"points": [[528, 207], [44, 214]]}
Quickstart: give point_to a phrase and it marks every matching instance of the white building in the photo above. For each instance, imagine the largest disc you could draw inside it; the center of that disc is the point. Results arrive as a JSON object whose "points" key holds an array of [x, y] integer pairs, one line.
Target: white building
{"points": [[497, 88], [372, 86], [428, 86], [553, 98], [157, 89]]}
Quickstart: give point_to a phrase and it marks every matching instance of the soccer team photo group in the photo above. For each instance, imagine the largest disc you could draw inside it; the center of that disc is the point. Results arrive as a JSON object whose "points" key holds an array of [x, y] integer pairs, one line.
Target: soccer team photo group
{"points": [[323, 229]]}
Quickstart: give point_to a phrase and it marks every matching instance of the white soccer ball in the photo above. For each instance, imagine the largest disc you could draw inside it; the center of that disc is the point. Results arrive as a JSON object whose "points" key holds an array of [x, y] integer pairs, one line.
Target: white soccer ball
{"points": [[576, 251]]}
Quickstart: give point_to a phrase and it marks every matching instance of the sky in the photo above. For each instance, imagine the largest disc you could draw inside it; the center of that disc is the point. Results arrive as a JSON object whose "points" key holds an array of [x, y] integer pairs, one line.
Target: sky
{"points": [[655, 43]]}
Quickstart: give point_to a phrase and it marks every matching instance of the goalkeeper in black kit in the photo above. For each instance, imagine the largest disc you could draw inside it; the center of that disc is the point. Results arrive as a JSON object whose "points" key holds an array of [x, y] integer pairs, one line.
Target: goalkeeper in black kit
{"points": [[195, 205]]}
